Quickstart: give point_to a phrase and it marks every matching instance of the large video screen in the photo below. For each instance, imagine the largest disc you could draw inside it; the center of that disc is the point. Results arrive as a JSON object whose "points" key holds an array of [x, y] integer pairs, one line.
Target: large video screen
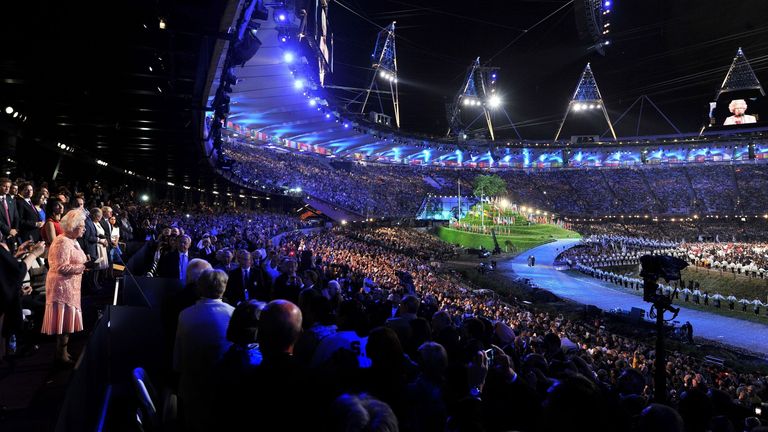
{"points": [[739, 109]]}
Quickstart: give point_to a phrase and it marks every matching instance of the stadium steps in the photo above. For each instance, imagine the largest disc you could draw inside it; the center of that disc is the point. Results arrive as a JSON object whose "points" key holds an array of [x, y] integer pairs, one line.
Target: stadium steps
{"points": [[696, 197], [659, 205], [609, 186], [737, 204], [333, 211], [432, 182], [583, 202]]}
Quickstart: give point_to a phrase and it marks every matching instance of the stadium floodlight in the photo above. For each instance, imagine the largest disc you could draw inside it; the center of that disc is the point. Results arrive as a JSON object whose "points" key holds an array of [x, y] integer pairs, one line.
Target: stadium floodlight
{"points": [[494, 101], [384, 64], [245, 48]]}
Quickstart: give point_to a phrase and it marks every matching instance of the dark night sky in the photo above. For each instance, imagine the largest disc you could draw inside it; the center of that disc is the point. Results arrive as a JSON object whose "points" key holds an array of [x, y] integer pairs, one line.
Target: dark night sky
{"points": [[676, 52]]}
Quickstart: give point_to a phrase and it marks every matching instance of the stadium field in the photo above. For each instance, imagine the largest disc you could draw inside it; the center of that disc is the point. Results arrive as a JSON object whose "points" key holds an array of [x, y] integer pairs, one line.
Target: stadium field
{"points": [[521, 238]]}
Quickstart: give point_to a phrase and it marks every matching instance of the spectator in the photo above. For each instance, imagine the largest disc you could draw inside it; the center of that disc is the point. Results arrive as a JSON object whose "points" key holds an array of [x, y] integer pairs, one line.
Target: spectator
{"points": [[200, 343], [67, 262]]}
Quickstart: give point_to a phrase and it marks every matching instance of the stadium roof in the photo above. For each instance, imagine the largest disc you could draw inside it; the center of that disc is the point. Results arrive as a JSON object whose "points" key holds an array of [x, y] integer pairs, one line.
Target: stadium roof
{"points": [[283, 99]]}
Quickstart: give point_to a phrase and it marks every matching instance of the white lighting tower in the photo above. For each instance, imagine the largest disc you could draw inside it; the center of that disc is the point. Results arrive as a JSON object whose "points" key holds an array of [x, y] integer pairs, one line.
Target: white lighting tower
{"points": [[385, 69], [587, 98], [477, 93]]}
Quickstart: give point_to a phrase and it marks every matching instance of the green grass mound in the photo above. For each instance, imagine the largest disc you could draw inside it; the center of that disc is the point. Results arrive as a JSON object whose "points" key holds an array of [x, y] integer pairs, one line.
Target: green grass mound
{"points": [[518, 238]]}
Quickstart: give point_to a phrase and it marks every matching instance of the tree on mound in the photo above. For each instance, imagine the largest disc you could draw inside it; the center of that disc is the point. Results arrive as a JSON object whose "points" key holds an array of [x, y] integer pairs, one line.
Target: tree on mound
{"points": [[489, 185]]}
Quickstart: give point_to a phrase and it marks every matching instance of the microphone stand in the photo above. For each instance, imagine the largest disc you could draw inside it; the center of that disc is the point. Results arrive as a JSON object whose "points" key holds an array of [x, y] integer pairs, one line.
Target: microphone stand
{"points": [[133, 278]]}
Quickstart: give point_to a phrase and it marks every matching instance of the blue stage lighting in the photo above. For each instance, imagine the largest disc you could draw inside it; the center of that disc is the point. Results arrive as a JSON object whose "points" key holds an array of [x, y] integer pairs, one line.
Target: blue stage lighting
{"points": [[608, 3], [327, 116], [298, 84], [288, 57], [312, 102], [284, 35]]}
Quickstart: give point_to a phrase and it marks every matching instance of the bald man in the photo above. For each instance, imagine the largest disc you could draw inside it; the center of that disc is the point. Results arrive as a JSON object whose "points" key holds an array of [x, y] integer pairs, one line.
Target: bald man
{"points": [[279, 328], [279, 388]]}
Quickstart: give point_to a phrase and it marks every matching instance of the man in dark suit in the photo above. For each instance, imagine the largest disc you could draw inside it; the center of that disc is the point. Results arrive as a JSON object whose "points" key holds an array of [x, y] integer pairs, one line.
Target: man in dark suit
{"points": [[174, 264], [29, 218], [90, 239], [9, 222], [247, 282], [106, 212]]}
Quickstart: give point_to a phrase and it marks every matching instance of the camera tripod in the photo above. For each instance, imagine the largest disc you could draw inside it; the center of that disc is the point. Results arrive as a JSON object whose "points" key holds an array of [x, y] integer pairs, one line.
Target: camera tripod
{"points": [[660, 304]]}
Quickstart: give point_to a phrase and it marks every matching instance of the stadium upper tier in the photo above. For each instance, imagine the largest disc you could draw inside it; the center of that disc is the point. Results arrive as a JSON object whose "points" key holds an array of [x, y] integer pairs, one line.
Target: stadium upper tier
{"points": [[378, 190]]}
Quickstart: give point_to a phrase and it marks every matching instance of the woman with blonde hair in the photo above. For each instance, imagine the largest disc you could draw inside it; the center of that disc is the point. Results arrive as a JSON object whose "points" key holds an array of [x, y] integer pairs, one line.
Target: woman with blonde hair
{"points": [[67, 262]]}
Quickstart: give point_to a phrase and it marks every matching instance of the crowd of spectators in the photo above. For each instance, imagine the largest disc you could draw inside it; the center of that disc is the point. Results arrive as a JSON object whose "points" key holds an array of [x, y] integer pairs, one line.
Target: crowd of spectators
{"points": [[532, 351], [672, 189], [692, 230], [751, 180], [715, 189], [407, 242], [363, 328], [372, 189], [631, 190]]}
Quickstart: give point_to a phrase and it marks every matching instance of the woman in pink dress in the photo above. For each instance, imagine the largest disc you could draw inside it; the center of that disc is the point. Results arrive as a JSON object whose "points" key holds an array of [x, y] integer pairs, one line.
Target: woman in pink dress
{"points": [[67, 262]]}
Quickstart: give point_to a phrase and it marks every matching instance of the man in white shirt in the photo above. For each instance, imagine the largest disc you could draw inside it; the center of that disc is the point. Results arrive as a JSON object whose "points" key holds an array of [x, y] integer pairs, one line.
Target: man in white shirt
{"points": [[201, 341]]}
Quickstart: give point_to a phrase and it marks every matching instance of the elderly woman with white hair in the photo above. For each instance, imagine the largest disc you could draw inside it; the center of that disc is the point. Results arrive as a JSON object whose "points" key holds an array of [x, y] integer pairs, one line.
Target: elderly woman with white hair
{"points": [[738, 107], [67, 262]]}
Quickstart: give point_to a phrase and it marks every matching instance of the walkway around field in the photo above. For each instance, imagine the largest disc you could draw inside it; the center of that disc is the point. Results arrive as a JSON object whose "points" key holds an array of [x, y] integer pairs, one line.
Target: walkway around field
{"points": [[740, 333]]}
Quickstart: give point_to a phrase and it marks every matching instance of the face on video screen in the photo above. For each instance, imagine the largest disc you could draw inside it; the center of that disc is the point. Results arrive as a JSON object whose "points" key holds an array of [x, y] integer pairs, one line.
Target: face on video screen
{"points": [[738, 109], [734, 109]]}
